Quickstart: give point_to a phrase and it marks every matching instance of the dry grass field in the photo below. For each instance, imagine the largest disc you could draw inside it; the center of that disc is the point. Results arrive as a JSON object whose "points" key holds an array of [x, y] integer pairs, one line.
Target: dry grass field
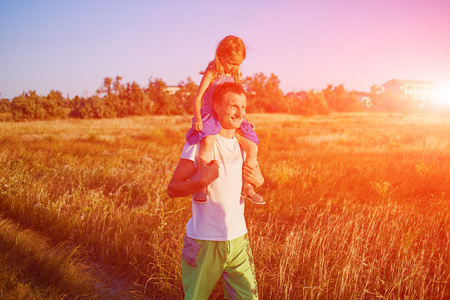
{"points": [[358, 208]]}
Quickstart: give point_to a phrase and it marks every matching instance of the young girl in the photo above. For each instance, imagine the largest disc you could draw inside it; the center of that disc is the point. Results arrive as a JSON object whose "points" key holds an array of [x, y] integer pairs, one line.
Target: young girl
{"points": [[230, 54]]}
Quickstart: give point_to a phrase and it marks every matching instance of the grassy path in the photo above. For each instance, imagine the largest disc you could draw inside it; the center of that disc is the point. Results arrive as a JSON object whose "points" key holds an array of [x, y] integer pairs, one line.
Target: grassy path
{"points": [[31, 268]]}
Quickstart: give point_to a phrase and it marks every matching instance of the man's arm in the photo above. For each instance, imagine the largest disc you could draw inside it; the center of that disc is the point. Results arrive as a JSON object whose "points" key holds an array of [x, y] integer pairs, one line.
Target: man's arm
{"points": [[181, 184], [253, 175]]}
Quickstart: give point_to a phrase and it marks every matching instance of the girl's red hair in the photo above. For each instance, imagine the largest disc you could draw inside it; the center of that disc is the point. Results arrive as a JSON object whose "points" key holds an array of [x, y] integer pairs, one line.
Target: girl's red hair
{"points": [[229, 47]]}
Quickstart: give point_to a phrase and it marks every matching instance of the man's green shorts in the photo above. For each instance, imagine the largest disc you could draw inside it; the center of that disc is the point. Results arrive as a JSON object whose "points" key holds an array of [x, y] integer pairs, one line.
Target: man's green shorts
{"points": [[204, 262]]}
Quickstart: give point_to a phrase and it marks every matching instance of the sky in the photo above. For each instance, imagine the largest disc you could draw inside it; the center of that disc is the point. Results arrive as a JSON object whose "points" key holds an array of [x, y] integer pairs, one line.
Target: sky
{"points": [[71, 46]]}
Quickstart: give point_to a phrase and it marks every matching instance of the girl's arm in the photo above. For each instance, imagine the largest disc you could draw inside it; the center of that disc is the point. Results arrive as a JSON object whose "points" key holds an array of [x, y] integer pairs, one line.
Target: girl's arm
{"points": [[206, 80]]}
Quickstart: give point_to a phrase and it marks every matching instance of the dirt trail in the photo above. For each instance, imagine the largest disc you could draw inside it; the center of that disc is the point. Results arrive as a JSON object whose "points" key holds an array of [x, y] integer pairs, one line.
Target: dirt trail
{"points": [[60, 267]]}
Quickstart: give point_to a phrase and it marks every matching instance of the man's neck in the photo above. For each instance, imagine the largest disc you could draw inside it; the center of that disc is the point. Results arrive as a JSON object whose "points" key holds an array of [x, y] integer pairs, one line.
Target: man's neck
{"points": [[228, 133]]}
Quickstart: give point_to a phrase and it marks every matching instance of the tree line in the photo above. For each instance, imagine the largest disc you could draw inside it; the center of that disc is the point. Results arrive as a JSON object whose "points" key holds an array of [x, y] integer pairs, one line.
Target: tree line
{"points": [[115, 99]]}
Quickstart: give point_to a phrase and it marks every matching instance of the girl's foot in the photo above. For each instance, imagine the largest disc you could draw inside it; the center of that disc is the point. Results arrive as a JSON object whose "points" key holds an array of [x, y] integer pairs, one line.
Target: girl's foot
{"points": [[249, 193], [256, 198]]}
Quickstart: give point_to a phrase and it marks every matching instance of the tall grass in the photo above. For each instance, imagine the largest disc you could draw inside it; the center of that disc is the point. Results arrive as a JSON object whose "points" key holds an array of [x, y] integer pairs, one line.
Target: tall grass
{"points": [[358, 204], [31, 268]]}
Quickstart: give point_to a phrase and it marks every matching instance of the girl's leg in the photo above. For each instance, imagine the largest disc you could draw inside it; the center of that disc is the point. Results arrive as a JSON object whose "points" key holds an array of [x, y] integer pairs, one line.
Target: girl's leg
{"points": [[206, 148], [205, 156], [251, 149]]}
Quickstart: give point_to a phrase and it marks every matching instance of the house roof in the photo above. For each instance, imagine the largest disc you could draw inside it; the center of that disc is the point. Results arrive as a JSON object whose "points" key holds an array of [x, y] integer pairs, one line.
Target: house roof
{"points": [[413, 82]]}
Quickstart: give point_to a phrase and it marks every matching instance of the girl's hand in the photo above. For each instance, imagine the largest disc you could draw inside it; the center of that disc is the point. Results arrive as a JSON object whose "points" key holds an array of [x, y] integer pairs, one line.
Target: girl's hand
{"points": [[253, 125], [198, 124]]}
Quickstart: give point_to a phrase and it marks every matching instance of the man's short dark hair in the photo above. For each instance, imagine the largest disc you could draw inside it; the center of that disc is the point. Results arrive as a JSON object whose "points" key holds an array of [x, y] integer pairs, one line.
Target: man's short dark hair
{"points": [[227, 87]]}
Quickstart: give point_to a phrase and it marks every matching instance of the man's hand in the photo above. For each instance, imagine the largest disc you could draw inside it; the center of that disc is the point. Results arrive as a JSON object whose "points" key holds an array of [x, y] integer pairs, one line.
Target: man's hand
{"points": [[253, 175], [209, 172], [182, 185]]}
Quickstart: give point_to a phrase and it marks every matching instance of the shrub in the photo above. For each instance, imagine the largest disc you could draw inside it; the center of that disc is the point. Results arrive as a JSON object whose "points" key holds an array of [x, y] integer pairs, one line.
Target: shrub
{"points": [[30, 106], [5, 106]]}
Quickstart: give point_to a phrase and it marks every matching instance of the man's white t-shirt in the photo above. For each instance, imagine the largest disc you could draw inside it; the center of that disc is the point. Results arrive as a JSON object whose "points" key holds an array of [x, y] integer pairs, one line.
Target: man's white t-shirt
{"points": [[221, 218]]}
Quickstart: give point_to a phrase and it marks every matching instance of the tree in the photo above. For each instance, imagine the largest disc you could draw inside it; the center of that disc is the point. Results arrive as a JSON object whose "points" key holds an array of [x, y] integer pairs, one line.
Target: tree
{"points": [[30, 106], [106, 87], [110, 93], [313, 104], [91, 108], [184, 97], [340, 100], [137, 102], [163, 101], [27, 106], [264, 94], [53, 105], [5, 106], [256, 100], [76, 107]]}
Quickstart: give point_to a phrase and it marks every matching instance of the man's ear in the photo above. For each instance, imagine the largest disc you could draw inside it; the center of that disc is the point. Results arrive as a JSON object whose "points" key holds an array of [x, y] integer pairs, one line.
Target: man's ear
{"points": [[215, 106]]}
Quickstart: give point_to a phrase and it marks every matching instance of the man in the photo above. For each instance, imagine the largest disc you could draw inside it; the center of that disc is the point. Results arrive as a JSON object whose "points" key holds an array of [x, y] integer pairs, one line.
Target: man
{"points": [[216, 242]]}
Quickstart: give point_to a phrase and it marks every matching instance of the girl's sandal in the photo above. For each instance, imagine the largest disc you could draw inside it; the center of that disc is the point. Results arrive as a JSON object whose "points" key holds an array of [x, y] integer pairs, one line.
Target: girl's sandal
{"points": [[256, 199]]}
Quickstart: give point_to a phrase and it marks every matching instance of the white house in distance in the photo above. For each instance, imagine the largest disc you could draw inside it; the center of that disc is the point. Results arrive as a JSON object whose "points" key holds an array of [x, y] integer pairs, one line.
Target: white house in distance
{"points": [[417, 90], [172, 89]]}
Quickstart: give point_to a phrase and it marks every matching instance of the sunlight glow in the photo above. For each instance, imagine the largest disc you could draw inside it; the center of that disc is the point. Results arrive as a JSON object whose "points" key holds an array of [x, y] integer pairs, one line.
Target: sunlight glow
{"points": [[442, 97]]}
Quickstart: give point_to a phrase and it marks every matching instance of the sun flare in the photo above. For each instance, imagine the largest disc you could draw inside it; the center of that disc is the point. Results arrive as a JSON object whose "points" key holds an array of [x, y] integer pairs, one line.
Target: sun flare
{"points": [[442, 97]]}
